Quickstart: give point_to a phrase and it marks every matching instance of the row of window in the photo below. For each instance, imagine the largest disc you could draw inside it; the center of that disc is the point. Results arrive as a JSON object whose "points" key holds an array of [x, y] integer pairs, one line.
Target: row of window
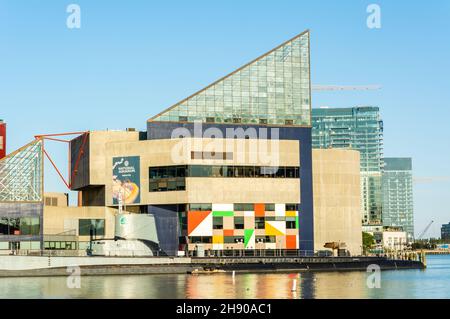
{"points": [[242, 207], [222, 171], [20, 226], [260, 222], [172, 178], [237, 120], [231, 239]]}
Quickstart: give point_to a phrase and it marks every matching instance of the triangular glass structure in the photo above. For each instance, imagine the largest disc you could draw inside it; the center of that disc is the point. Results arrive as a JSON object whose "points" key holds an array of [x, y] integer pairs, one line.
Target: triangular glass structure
{"points": [[21, 174], [273, 89]]}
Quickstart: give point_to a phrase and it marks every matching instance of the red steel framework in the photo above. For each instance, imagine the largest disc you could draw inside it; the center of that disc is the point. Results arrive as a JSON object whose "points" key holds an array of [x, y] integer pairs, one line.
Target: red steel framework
{"points": [[2, 139], [55, 137]]}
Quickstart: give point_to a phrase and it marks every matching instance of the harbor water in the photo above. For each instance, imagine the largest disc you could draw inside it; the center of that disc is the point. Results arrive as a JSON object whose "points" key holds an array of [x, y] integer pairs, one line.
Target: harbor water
{"points": [[433, 282]]}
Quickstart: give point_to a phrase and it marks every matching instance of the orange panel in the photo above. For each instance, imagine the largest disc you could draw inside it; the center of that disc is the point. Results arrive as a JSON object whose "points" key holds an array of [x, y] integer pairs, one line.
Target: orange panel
{"points": [[291, 242], [228, 232], [195, 218], [259, 210]]}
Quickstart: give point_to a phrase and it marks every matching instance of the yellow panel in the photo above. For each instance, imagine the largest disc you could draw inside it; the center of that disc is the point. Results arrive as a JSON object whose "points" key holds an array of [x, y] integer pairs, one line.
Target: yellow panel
{"points": [[272, 231], [291, 214], [217, 239]]}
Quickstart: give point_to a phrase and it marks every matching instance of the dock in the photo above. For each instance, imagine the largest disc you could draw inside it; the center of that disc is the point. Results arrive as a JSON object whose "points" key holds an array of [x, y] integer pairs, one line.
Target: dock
{"points": [[36, 266]]}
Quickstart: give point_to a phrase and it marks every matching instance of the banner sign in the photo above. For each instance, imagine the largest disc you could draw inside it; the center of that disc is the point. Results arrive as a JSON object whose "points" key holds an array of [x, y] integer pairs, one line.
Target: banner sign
{"points": [[126, 180]]}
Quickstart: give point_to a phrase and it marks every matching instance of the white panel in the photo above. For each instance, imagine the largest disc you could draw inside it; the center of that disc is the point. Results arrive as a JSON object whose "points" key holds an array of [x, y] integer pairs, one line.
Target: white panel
{"points": [[271, 245], [279, 225], [217, 246], [280, 210], [223, 207], [249, 214], [205, 228]]}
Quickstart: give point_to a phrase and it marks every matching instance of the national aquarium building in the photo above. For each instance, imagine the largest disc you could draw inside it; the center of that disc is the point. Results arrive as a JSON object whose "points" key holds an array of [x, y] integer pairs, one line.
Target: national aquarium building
{"points": [[227, 168]]}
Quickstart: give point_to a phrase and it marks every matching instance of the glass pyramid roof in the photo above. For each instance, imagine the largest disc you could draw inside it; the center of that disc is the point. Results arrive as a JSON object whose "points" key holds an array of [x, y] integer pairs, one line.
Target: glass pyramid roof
{"points": [[21, 174], [272, 89]]}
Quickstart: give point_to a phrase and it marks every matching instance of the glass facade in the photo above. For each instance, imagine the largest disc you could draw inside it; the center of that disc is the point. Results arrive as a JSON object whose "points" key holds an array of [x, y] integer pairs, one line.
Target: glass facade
{"points": [[398, 194], [96, 225], [274, 89], [359, 128], [21, 175], [445, 232]]}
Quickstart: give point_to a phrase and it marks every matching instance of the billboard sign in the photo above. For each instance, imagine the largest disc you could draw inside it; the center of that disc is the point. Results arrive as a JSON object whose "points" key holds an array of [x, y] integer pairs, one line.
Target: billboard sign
{"points": [[126, 184]]}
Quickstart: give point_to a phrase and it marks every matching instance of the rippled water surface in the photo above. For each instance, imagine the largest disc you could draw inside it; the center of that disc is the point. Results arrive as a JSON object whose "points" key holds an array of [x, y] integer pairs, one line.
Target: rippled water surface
{"points": [[434, 282]]}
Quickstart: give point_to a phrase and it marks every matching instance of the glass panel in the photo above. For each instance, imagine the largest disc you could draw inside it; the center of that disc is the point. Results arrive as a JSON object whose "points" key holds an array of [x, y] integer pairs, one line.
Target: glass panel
{"points": [[278, 81]]}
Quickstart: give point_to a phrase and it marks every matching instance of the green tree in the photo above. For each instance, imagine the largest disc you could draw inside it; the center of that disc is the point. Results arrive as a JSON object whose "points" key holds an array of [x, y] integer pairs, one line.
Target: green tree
{"points": [[368, 242]]}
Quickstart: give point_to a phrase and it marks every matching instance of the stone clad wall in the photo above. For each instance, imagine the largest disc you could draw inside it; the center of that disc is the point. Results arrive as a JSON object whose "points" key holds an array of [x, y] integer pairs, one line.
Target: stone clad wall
{"points": [[337, 194]]}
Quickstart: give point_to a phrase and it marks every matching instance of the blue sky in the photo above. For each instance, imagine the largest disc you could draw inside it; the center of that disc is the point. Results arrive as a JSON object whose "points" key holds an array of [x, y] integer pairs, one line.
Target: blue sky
{"points": [[132, 59]]}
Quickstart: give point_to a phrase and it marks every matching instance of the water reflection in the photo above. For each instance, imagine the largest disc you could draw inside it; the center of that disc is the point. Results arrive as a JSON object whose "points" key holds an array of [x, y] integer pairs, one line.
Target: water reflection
{"points": [[429, 283]]}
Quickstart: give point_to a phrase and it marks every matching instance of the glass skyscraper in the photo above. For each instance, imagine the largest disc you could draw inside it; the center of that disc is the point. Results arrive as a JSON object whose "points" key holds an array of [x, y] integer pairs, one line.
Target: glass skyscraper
{"points": [[445, 232], [397, 185], [358, 128]]}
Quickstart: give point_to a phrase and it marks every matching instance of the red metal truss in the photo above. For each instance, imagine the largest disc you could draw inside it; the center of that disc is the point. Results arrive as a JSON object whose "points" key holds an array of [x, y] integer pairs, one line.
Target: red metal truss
{"points": [[53, 137]]}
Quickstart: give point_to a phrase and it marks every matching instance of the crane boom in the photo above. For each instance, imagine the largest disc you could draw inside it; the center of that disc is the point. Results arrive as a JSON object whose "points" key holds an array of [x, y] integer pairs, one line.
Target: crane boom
{"points": [[425, 230], [318, 87]]}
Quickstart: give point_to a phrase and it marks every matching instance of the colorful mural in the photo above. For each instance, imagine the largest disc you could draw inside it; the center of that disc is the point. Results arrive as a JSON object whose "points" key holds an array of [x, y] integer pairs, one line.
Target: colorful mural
{"points": [[266, 226]]}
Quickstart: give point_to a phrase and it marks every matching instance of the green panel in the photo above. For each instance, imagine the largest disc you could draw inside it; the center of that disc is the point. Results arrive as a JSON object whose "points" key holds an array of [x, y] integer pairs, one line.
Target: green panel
{"points": [[223, 214], [296, 223], [248, 233], [272, 89]]}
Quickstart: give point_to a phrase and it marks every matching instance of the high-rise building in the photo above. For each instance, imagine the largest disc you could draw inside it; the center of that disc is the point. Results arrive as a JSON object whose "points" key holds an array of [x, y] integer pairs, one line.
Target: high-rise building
{"points": [[2, 139], [358, 128], [445, 232], [397, 185]]}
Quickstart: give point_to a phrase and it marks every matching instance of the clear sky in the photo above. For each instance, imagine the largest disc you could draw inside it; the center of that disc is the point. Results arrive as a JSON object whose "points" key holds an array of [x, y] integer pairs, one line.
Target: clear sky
{"points": [[132, 59]]}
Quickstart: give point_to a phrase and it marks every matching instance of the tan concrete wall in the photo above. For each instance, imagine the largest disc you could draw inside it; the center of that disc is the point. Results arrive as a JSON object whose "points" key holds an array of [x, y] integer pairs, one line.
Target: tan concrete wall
{"points": [[62, 219], [160, 153], [243, 190], [337, 198], [61, 198], [97, 150]]}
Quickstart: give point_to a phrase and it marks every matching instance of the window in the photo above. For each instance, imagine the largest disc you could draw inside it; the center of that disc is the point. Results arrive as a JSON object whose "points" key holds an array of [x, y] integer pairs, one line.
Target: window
{"points": [[260, 223], [238, 222], [200, 207], [200, 240], [96, 225], [200, 171], [290, 223], [292, 207], [217, 222], [30, 226], [244, 207], [270, 207], [249, 171]]}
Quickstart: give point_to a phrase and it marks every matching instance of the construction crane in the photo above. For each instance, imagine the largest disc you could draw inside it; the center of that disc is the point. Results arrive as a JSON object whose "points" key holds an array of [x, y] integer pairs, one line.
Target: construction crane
{"points": [[425, 230], [318, 87]]}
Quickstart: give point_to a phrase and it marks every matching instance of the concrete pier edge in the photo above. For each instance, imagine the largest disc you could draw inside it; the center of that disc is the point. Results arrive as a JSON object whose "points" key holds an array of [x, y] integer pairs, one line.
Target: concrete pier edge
{"points": [[27, 266]]}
